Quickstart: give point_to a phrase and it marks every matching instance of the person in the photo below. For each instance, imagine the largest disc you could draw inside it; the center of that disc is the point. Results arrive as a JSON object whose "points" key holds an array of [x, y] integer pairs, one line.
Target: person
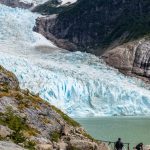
{"points": [[139, 146], [119, 145]]}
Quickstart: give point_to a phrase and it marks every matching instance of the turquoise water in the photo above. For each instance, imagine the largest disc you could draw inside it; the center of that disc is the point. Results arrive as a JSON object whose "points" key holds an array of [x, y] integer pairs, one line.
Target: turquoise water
{"points": [[131, 129]]}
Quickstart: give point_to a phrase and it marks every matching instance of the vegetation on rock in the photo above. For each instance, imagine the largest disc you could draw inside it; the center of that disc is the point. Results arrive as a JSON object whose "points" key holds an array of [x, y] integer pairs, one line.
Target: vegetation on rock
{"points": [[34, 123]]}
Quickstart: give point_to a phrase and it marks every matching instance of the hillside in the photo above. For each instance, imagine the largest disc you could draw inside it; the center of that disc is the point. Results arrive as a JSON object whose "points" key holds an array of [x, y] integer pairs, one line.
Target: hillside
{"points": [[93, 26], [16, 3], [51, 7], [28, 121]]}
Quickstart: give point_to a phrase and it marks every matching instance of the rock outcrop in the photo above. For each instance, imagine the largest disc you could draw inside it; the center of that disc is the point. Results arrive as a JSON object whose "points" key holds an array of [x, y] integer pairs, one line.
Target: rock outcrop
{"points": [[132, 58], [141, 65], [28, 121], [16, 3], [7, 145], [101, 27], [93, 26]]}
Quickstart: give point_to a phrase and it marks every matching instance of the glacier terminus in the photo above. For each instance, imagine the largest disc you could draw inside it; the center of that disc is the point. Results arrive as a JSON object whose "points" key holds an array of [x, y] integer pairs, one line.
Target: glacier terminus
{"points": [[78, 83]]}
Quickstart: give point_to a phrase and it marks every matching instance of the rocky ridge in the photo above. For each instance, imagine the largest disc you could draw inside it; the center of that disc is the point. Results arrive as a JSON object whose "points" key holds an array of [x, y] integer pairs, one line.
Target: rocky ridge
{"points": [[116, 30], [31, 123], [16, 3], [132, 58], [93, 26]]}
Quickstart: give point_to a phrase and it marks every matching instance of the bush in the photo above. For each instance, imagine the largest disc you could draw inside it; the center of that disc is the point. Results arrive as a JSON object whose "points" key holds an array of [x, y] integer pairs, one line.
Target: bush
{"points": [[30, 145], [13, 121], [69, 120], [55, 136], [17, 137]]}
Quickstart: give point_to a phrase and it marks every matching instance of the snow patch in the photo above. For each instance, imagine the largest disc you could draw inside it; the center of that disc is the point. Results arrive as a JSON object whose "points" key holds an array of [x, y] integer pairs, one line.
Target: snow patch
{"points": [[35, 2], [68, 1]]}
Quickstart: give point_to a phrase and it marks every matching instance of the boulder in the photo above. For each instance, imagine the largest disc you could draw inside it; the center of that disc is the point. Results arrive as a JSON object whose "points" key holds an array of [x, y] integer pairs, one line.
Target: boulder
{"points": [[5, 131], [82, 144], [6, 145], [44, 147]]}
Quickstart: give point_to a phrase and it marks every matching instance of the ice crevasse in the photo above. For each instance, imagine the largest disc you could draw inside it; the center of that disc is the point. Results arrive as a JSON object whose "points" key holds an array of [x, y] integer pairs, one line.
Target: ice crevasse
{"points": [[78, 83]]}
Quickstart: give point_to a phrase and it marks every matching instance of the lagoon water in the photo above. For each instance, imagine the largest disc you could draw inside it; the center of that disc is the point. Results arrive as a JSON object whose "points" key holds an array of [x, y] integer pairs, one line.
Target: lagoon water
{"points": [[131, 129]]}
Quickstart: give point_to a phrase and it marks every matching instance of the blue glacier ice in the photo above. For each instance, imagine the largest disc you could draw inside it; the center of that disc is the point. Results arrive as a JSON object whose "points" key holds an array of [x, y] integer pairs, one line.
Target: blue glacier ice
{"points": [[78, 83]]}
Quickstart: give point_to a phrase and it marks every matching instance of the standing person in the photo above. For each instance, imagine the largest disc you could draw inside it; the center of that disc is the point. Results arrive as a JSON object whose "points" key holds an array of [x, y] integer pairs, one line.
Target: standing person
{"points": [[139, 146], [119, 144]]}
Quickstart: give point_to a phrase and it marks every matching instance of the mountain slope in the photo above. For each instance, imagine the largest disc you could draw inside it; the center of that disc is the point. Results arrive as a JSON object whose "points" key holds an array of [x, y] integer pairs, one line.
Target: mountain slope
{"points": [[27, 120], [16, 3], [52, 7], [93, 26]]}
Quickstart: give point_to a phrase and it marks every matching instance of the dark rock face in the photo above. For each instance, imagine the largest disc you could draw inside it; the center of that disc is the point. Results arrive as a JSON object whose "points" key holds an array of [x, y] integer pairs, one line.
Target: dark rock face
{"points": [[16, 3], [132, 59], [141, 65], [94, 25], [8, 80], [43, 26]]}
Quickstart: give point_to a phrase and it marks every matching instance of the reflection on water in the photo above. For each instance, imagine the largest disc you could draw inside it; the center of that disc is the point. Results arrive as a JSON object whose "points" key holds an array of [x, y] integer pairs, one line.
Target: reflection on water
{"points": [[130, 129]]}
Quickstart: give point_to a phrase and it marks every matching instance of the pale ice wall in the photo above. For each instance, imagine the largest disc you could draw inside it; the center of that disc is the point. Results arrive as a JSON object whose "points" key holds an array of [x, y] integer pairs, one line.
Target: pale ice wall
{"points": [[78, 83]]}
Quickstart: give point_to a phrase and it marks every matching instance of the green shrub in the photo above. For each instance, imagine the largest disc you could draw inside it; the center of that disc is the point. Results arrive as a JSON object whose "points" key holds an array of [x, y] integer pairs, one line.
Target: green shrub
{"points": [[69, 120], [13, 121], [55, 136], [30, 145], [17, 137]]}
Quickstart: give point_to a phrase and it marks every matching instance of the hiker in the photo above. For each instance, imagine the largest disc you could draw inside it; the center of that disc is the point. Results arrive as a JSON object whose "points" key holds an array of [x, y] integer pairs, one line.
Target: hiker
{"points": [[119, 144], [139, 146]]}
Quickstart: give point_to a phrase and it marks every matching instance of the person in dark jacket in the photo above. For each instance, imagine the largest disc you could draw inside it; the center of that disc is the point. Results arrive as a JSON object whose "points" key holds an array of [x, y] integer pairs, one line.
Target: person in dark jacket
{"points": [[139, 146], [119, 145]]}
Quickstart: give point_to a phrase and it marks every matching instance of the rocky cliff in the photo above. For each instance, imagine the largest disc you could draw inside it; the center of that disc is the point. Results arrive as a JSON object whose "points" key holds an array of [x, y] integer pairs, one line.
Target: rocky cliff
{"points": [[93, 26], [99, 27], [28, 121], [16, 3], [132, 58]]}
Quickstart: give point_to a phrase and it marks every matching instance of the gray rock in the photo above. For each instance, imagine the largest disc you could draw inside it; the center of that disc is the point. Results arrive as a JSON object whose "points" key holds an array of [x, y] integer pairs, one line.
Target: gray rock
{"points": [[5, 131], [7, 102], [8, 79], [16, 3], [121, 57], [62, 145], [93, 26], [47, 128], [146, 147], [132, 59], [80, 145], [6, 145], [141, 65], [44, 147]]}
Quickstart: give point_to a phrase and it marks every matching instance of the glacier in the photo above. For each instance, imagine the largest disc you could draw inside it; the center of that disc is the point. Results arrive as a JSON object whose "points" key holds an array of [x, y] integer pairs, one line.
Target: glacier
{"points": [[80, 84]]}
